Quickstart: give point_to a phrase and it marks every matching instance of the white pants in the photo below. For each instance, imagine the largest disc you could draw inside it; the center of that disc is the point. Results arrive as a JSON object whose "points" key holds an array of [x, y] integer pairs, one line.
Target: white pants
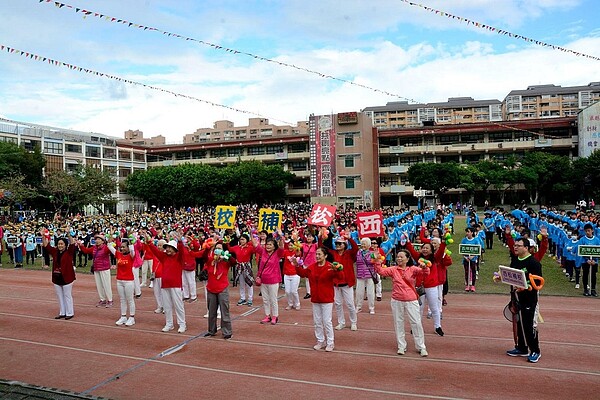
{"points": [[103, 285], [291, 283], [322, 313], [189, 284], [440, 289], [125, 290], [157, 292], [378, 287], [136, 281], [173, 297], [360, 293], [269, 297], [307, 286], [414, 317], [146, 266], [64, 294], [246, 292], [431, 294], [343, 295]]}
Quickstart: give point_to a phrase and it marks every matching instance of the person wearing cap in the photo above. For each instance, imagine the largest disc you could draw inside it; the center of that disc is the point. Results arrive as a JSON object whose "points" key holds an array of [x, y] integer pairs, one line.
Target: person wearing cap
{"points": [[100, 268], [172, 286], [63, 274]]}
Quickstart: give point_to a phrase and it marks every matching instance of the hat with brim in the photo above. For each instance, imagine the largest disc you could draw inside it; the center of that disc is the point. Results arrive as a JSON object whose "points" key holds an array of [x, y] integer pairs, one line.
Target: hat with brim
{"points": [[340, 240], [171, 243], [100, 236]]}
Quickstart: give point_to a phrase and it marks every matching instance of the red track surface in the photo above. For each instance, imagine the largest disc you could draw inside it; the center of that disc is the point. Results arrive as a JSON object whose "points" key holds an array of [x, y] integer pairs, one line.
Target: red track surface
{"points": [[90, 354]]}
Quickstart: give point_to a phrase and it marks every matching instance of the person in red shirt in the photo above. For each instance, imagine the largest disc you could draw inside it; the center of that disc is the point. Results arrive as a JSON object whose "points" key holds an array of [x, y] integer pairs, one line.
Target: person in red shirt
{"points": [[125, 284], [172, 293], [217, 290], [243, 252], [291, 280], [321, 275]]}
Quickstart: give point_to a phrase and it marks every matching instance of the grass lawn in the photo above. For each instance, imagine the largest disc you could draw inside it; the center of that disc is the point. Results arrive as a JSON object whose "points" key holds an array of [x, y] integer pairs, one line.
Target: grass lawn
{"points": [[556, 282]]}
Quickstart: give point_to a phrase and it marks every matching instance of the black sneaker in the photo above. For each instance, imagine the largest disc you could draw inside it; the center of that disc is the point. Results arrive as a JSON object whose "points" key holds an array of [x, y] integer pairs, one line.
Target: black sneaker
{"points": [[517, 353], [439, 331], [586, 293], [593, 293], [307, 296]]}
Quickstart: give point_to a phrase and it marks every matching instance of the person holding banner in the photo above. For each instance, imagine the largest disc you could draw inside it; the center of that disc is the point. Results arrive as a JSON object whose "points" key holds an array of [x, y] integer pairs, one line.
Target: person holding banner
{"points": [[589, 264], [524, 302], [470, 260]]}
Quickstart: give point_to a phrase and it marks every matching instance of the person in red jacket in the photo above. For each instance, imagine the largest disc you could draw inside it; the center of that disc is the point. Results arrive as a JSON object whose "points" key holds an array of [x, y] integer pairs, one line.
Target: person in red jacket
{"points": [[344, 282], [190, 253], [321, 275], [217, 290], [172, 293], [63, 273]]}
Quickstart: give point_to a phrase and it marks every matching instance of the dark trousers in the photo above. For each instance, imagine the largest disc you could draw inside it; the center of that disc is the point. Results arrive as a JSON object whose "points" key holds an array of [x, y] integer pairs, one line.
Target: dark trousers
{"points": [[586, 276], [470, 272], [218, 300], [489, 239], [527, 335], [30, 255]]}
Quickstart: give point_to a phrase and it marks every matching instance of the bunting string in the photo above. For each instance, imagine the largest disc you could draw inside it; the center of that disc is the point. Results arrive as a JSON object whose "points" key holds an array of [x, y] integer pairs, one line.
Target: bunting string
{"points": [[500, 31], [73, 67], [130, 24]]}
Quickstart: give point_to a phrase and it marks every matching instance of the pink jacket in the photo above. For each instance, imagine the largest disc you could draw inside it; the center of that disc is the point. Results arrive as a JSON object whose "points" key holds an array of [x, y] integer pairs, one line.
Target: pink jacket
{"points": [[268, 265], [401, 289]]}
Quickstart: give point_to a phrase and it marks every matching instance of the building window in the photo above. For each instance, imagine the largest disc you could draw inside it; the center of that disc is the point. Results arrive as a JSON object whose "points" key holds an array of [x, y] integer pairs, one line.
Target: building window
{"points": [[124, 172], [199, 154], [124, 155], [298, 166], [53, 163], [139, 157], [53, 148], [109, 153], [350, 182], [349, 140], [235, 152], [182, 155], [73, 148], [274, 149], [92, 151], [349, 161], [256, 151], [218, 153], [297, 148]]}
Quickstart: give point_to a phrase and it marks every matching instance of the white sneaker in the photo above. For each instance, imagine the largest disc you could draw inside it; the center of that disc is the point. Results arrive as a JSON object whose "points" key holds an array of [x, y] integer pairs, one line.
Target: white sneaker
{"points": [[289, 307], [429, 314], [206, 315], [577, 286], [319, 346], [354, 327], [167, 328], [401, 352], [159, 310], [143, 285], [151, 285], [181, 329], [423, 353], [329, 347], [339, 327], [297, 307], [130, 321], [218, 315], [372, 312], [121, 321]]}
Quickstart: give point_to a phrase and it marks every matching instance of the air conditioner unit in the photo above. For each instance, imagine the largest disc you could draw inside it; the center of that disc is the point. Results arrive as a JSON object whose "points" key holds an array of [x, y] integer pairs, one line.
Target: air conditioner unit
{"points": [[499, 145]]}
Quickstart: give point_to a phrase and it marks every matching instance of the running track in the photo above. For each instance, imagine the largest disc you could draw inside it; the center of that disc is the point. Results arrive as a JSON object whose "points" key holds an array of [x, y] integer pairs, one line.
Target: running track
{"points": [[91, 355]]}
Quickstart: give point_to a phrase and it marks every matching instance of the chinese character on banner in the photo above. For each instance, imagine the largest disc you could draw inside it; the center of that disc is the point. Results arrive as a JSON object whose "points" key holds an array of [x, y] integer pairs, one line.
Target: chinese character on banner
{"points": [[370, 224], [269, 220], [225, 217], [321, 215]]}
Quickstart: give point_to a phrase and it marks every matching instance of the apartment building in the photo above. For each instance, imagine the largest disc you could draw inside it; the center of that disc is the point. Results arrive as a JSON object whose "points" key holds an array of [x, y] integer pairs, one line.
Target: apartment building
{"points": [[136, 137], [549, 101], [457, 110], [257, 128], [65, 149], [401, 148]]}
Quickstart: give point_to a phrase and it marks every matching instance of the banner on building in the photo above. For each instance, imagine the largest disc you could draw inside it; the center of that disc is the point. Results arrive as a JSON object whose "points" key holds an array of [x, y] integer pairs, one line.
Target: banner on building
{"points": [[589, 130], [322, 156]]}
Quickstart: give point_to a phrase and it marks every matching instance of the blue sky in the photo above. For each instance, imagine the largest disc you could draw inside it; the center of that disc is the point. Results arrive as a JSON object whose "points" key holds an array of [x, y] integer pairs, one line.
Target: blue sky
{"points": [[385, 44]]}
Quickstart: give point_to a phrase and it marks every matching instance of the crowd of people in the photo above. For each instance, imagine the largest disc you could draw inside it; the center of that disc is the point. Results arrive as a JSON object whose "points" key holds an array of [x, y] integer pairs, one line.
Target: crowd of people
{"points": [[171, 250]]}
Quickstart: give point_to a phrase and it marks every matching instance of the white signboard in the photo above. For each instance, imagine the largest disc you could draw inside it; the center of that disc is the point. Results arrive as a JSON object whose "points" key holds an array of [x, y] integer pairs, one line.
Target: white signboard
{"points": [[589, 130], [514, 277]]}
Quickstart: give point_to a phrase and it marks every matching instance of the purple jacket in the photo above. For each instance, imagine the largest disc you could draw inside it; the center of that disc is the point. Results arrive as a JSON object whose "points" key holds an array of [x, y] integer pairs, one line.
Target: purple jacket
{"points": [[364, 264]]}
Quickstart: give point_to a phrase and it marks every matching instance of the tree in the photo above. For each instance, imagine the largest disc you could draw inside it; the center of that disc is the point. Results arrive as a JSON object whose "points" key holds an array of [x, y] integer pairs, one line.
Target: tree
{"points": [[546, 174], [437, 177], [15, 160], [85, 186], [15, 190]]}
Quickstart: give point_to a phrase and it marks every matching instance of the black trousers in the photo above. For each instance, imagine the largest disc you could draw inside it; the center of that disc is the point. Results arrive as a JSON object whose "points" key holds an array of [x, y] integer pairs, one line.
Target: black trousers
{"points": [[527, 335]]}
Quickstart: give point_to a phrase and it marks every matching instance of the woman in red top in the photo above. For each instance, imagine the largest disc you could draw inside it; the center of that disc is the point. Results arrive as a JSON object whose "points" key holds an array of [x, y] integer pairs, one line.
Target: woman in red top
{"points": [[243, 270], [291, 280], [125, 283], [217, 290], [430, 281], [344, 282], [321, 275], [63, 274]]}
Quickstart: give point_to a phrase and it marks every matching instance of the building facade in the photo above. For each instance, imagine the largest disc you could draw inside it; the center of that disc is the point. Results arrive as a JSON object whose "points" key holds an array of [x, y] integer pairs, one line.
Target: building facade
{"points": [[65, 149]]}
